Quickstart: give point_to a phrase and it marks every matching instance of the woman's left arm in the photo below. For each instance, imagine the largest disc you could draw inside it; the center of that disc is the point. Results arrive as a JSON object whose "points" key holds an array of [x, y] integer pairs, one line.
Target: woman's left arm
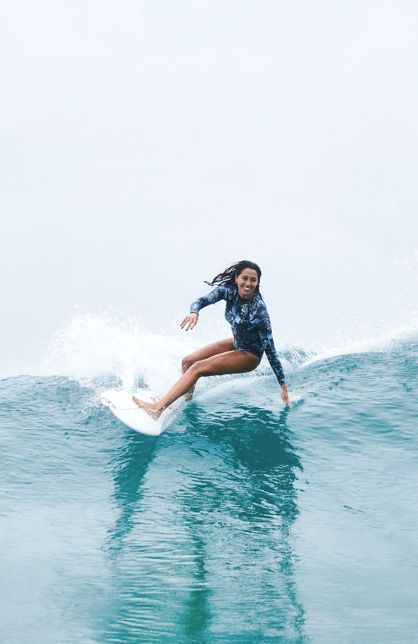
{"points": [[266, 337]]}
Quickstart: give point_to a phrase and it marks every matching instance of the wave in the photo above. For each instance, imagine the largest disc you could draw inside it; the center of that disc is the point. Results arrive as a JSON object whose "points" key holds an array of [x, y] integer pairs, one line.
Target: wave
{"points": [[352, 386], [109, 348]]}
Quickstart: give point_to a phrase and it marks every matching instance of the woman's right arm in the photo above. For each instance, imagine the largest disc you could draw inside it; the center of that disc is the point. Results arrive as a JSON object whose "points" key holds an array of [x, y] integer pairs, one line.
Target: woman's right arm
{"points": [[190, 321], [218, 293]]}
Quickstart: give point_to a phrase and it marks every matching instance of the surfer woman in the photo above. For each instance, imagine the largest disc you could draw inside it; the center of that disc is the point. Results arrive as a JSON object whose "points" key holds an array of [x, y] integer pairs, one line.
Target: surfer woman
{"points": [[247, 314]]}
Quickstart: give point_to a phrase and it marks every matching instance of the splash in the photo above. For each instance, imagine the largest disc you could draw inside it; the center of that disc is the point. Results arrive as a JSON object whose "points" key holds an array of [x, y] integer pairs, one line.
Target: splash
{"points": [[95, 347]]}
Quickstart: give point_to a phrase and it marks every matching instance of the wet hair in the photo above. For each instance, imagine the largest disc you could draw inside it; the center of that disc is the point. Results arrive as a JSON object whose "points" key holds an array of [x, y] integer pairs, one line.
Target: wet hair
{"points": [[231, 272]]}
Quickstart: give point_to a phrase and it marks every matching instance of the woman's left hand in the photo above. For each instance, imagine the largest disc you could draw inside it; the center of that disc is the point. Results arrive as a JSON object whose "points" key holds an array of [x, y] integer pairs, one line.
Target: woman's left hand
{"points": [[285, 395]]}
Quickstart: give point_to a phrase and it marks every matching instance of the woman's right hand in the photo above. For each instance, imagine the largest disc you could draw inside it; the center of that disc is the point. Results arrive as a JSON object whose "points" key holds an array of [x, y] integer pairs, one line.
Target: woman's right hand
{"points": [[190, 321]]}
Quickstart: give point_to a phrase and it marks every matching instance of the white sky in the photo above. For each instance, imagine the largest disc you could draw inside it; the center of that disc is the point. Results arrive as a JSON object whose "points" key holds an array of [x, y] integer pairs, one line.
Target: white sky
{"points": [[146, 145]]}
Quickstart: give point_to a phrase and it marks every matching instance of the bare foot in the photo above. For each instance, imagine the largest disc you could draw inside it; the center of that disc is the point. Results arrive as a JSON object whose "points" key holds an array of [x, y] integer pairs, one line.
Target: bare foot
{"points": [[151, 408]]}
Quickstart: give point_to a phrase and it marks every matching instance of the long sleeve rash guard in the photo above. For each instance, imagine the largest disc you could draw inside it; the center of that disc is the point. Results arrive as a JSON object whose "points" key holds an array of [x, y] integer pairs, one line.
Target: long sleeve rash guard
{"points": [[250, 323]]}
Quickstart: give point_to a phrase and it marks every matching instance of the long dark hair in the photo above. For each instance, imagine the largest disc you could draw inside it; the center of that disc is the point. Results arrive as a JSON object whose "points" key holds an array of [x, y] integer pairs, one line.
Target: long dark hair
{"points": [[231, 272]]}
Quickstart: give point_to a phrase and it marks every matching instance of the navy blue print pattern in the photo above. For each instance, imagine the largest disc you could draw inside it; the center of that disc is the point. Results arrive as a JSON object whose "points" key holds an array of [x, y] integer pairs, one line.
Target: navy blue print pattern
{"points": [[250, 323]]}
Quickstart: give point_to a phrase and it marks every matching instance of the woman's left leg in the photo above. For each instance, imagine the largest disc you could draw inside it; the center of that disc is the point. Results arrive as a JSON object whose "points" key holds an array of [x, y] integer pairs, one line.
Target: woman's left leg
{"points": [[228, 362]]}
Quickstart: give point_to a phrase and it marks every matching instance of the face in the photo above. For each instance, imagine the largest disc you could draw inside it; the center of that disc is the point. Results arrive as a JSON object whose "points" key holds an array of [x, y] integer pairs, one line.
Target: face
{"points": [[247, 282]]}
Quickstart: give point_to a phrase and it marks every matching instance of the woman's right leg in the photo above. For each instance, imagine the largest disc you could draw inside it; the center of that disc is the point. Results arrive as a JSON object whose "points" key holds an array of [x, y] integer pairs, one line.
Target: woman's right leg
{"points": [[201, 354], [234, 361]]}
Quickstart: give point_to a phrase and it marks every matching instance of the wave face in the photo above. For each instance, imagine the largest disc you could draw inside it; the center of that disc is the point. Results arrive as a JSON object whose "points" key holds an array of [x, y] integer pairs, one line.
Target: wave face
{"points": [[243, 522]]}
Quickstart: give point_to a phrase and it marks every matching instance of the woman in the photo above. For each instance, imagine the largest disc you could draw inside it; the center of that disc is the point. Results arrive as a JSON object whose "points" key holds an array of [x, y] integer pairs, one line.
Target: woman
{"points": [[247, 314]]}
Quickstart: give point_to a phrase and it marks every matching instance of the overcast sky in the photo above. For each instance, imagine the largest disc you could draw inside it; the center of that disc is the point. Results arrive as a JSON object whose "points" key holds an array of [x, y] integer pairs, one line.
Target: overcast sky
{"points": [[146, 145]]}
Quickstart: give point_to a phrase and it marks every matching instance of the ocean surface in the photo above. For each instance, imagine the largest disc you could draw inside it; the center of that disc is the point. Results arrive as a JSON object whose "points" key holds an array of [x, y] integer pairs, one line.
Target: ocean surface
{"points": [[243, 522]]}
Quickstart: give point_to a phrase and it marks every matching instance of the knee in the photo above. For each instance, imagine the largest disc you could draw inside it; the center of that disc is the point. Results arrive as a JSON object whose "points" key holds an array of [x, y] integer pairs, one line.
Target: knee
{"points": [[186, 363], [196, 368]]}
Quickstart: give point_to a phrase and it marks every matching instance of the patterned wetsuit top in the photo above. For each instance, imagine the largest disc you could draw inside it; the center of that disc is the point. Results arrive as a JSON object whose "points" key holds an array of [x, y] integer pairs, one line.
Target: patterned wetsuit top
{"points": [[249, 320]]}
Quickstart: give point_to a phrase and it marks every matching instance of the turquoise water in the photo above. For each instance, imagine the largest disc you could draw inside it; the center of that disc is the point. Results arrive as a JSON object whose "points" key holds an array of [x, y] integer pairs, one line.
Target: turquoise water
{"points": [[243, 522]]}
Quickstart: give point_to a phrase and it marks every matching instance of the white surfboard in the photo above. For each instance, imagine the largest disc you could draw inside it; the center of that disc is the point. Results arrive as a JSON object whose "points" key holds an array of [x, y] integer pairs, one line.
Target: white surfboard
{"points": [[120, 403]]}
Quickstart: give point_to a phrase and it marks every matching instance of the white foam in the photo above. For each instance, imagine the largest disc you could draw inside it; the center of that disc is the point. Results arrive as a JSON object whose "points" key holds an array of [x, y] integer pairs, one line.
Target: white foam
{"points": [[377, 343], [93, 346]]}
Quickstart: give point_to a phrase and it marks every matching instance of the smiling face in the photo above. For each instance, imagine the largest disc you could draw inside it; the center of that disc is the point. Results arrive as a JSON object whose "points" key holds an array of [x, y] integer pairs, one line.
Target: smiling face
{"points": [[247, 282]]}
